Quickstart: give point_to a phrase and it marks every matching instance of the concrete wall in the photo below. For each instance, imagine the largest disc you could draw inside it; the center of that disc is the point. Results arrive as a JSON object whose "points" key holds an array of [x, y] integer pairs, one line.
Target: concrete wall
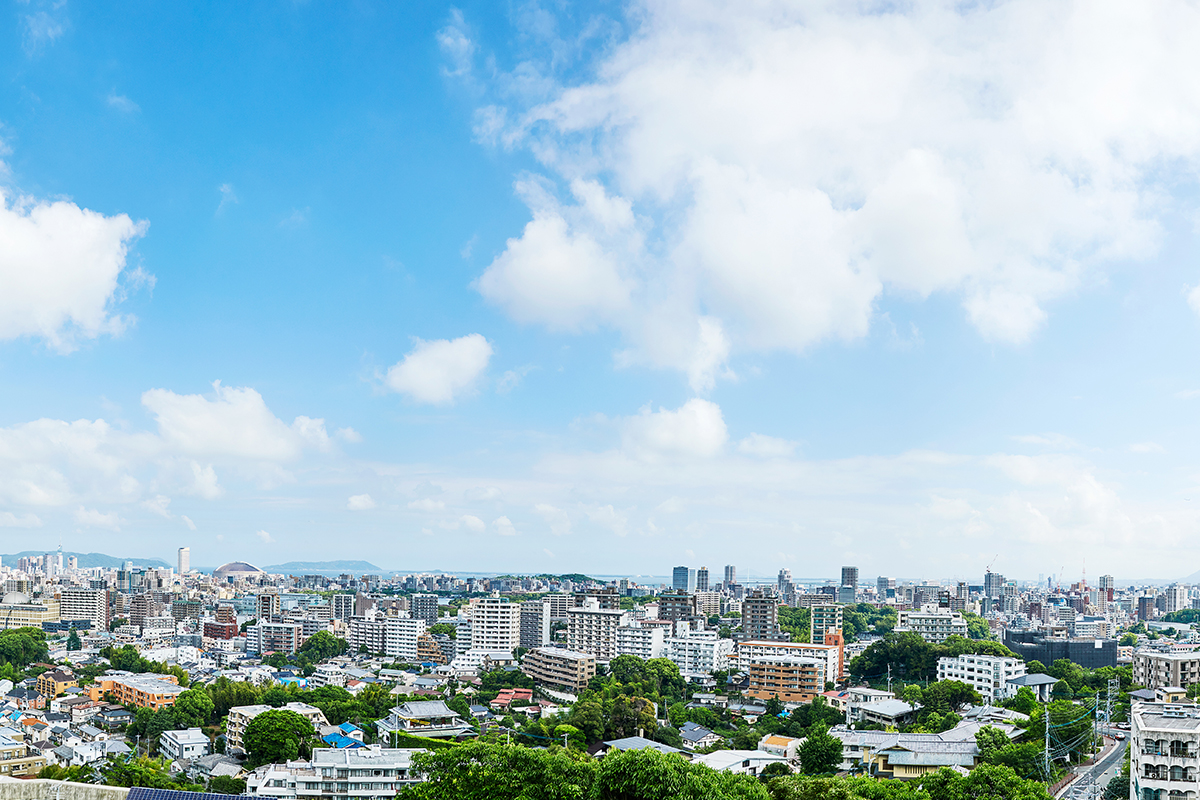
{"points": [[38, 789]]}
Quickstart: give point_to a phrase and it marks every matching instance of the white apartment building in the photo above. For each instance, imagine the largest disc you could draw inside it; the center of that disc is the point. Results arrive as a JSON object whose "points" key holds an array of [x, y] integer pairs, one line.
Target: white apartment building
{"points": [[933, 624], [1164, 756], [1177, 598], [365, 773], [1091, 629], [700, 652], [592, 629], [79, 603], [187, 744], [708, 603], [645, 643], [988, 675], [495, 624], [400, 636], [828, 653], [1154, 669]]}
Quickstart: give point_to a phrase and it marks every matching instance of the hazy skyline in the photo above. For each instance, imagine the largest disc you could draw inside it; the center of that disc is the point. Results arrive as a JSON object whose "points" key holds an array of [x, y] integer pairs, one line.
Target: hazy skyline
{"points": [[606, 289]]}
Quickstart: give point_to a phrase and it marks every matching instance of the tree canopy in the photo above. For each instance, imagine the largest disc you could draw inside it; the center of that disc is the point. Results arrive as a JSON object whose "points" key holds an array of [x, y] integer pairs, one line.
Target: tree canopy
{"points": [[277, 736]]}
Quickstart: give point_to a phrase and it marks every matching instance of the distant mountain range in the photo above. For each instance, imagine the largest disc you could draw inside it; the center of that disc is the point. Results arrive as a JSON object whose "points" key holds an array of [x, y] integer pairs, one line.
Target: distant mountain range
{"points": [[316, 567], [86, 560]]}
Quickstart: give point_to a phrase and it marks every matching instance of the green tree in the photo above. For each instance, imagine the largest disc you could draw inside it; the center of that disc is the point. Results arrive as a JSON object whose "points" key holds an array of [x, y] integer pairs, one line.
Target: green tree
{"points": [[223, 784], [990, 739], [1128, 640], [486, 771], [23, 646], [194, 708], [820, 753], [73, 641], [444, 628], [1025, 701], [277, 736], [322, 645], [650, 775]]}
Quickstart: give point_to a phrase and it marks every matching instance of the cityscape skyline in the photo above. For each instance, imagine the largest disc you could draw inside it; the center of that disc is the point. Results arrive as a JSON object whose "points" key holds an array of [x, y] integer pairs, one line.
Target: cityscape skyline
{"points": [[420, 299]]}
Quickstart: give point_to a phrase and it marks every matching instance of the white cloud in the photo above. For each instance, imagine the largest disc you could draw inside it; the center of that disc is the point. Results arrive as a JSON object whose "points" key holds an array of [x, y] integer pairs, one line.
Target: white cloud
{"points": [[479, 493], [566, 270], [121, 103], [234, 422], [159, 504], [60, 266], [427, 504], [360, 502], [265, 537], [1146, 447], [228, 197], [440, 371], [42, 28], [472, 522], [556, 518], [348, 435], [504, 526], [756, 444], [11, 520], [92, 518], [188, 521], [695, 429], [610, 518], [775, 167], [512, 378], [456, 45]]}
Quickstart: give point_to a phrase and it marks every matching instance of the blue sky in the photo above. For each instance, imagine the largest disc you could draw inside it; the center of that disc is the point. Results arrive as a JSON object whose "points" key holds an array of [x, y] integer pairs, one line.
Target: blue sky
{"points": [[605, 288]]}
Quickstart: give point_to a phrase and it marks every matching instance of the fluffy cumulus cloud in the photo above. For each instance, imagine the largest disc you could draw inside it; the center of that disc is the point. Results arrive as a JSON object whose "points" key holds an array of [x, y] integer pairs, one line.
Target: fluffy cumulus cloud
{"points": [[49, 463], [440, 371], [60, 270], [696, 428], [774, 167]]}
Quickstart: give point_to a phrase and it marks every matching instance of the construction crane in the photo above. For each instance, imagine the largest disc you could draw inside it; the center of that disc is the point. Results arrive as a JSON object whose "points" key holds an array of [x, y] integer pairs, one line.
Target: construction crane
{"points": [[988, 568]]}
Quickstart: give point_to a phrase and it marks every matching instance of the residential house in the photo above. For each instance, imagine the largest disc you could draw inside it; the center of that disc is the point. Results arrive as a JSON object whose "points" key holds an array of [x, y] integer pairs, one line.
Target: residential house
{"points": [[698, 737]]}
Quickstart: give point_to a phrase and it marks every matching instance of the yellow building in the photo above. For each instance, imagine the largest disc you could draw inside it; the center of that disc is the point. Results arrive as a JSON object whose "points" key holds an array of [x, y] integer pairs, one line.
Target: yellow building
{"points": [[18, 611], [142, 691], [54, 682]]}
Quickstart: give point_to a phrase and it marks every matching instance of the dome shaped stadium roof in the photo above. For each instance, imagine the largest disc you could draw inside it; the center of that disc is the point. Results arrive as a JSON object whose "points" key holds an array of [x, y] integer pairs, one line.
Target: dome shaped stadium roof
{"points": [[15, 599], [236, 569]]}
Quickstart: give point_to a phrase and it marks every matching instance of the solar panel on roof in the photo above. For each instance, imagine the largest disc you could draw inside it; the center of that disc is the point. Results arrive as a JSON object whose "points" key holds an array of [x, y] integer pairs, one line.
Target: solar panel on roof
{"points": [[146, 793]]}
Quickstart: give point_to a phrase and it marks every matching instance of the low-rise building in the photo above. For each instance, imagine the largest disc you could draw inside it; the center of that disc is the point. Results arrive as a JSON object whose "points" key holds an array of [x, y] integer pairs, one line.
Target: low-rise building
{"points": [[431, 718], [54, 682], [1164, 754], [554, 666], [141, 690], [183, 745], [364, 773], [829, 653], [19, 760], [988, 675], [1152, 668], [933, 624], [790, 679], [904, 756]]}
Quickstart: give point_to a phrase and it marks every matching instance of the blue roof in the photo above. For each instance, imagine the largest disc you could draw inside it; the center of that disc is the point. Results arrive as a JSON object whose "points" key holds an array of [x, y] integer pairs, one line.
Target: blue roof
{"points": [[341, 742], [349, 727], [145, 793]]}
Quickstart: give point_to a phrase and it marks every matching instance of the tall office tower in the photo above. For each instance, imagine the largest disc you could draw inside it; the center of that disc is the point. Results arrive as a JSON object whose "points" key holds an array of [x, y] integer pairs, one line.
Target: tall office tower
{"points": [[268, 605], [1108, 587], [185, 560], [850, 577], [72, 563], [730, 575], [679, 579], [702, 579], [424, 606], [783, 580], [993, 584], [50, 565], [885, 587]]}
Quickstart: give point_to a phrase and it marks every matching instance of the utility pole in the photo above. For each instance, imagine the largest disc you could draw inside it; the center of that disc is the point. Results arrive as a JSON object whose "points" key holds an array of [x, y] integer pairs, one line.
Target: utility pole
{"points": [[564, 741], [1046, 754], [889, 677]]}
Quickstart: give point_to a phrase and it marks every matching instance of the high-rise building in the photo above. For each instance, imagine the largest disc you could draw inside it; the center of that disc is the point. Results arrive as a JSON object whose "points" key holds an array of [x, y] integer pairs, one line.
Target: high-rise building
{"points": [[1177, 598], [702, 579], [495, 624], [823, 617], [535, 624], [885, 587], [760, 619], [185, 560], [730, 575], [850, 577], [424, 606], [343, 606], [1108, 587], [268, 605], [679, 579], [90, 604], [783, 581], [993, 584]]}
